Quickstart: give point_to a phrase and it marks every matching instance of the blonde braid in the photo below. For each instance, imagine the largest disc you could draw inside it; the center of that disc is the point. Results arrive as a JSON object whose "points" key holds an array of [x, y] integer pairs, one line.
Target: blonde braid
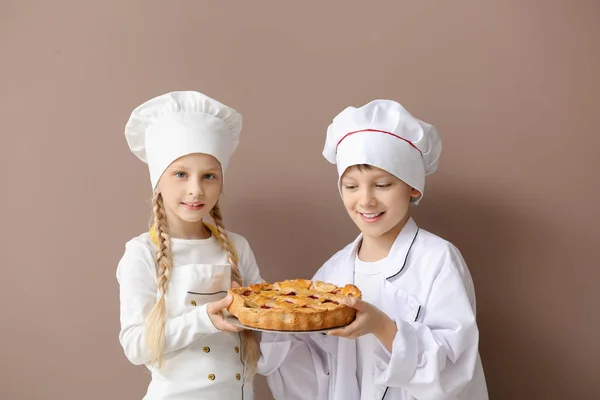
{"points": [[250, 347], [216, 215], [155, 323]]}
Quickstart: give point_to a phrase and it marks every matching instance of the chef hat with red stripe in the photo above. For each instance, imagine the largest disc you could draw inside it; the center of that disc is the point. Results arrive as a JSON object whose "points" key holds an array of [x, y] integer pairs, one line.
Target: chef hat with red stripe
{"points": [[385, 135]]}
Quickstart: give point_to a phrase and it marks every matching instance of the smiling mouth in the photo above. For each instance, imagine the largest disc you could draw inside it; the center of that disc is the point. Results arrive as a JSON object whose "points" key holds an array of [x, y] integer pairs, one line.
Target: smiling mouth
{"points": [[193, 206], [371, 217]]}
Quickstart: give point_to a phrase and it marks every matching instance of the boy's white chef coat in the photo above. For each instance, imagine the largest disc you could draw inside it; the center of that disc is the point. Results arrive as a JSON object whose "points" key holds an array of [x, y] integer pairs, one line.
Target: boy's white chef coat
{"points": [[201, 362], [428, 292]]}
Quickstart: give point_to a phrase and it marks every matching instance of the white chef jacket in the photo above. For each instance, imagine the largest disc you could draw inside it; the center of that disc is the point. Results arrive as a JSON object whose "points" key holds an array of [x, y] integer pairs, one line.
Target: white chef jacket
{"points": [[200, 362], [428, 292]]}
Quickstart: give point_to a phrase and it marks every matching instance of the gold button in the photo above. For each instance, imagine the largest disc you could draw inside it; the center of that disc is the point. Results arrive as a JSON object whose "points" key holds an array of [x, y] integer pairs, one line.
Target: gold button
{"points": [[211, 377], [206, 349], [237, 349], [193, 302], [238, 376]]}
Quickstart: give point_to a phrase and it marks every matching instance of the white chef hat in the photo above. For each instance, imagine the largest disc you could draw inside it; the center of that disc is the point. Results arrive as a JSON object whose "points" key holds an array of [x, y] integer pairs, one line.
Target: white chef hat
{"points": [[385, 135], [179, 123]]}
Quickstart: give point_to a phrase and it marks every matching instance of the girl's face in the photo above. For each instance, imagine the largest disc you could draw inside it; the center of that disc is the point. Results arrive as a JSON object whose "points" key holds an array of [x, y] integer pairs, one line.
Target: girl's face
{"points": [[376, 200], [190, 188]]}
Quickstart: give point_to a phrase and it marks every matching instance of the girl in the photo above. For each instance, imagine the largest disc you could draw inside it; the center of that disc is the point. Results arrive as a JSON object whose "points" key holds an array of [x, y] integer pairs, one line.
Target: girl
{"points": [[415, 334], [173, 279]]}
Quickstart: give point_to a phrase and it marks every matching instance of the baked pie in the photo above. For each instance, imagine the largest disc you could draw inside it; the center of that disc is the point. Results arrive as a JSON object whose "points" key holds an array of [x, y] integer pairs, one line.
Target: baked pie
{"points": [[293, 305]]}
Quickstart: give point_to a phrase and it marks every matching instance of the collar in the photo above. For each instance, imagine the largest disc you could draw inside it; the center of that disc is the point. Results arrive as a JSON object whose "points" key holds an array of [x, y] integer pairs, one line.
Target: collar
{"points": [[398, 254], [213, 230]]}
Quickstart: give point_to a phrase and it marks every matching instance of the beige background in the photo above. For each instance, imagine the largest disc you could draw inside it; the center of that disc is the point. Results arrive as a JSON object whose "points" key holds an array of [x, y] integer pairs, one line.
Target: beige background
{"points": [[511, 85]]}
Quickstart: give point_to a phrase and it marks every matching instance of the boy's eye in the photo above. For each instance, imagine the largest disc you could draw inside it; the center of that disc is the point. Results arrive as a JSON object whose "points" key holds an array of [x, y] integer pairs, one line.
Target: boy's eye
{"points": [[209, 176], [383, 185], [180, 174], [350, 187]]}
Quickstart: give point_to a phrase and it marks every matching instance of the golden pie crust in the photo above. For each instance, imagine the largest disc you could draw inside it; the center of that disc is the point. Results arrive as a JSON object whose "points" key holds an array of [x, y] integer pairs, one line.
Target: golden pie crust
{"points": [[293, 305]]}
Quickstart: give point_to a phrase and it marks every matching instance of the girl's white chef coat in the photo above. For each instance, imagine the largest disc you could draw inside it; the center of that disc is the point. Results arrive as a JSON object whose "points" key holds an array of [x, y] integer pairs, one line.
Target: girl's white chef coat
{"points": [[427, 290], [201, 362]]}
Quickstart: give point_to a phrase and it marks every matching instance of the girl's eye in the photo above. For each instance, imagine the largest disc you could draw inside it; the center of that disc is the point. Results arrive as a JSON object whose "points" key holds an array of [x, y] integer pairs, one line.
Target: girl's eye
{"points": [[180, 174], [383, 185], [350, 187], [209, 176]]}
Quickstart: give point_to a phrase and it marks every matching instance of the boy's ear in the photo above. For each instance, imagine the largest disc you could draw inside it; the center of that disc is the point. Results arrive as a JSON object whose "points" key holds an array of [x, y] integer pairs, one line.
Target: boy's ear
{"points": [[415, 195]]}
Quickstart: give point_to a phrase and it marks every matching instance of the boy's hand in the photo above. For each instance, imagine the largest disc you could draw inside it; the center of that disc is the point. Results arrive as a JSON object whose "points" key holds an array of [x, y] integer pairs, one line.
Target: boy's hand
{"points": [[369, 319]]}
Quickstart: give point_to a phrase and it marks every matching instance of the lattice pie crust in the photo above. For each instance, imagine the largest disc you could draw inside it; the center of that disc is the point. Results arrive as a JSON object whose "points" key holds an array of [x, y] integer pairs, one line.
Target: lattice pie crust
{"points": [[293, 305]]}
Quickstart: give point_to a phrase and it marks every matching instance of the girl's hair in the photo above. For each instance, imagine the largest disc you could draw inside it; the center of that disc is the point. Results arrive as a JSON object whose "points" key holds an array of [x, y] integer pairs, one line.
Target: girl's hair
{"points": [[155, 323], [250, 347]]}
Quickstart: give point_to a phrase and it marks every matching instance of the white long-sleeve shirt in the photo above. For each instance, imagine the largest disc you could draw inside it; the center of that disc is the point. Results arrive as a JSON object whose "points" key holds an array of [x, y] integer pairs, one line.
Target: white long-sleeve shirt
{"points": [[369, 279], [200, 361]]}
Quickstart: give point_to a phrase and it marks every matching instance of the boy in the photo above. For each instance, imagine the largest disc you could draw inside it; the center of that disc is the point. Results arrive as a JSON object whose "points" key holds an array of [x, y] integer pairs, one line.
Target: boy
{"points": [[415, 335]]}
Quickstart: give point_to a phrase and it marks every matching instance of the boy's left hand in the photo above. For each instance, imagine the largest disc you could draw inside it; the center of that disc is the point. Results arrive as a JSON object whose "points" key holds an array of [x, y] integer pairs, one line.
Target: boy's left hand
{"points": [[369, 319]]}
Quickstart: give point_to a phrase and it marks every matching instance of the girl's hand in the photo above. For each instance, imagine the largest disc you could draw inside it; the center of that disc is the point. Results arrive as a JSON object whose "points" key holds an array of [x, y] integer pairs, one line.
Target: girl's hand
{"points": [[215, 313], [369, 319]]}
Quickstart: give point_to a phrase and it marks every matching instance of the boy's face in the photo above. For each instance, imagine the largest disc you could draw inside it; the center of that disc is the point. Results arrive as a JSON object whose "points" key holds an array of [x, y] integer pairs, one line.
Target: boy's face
{"points": [[376, 200]]}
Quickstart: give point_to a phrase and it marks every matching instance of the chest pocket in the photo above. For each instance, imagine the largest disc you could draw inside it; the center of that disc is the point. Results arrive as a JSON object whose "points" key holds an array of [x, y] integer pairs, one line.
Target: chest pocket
{"points": [[206, 283], [193, 285], [400, 304], [195, 299]]}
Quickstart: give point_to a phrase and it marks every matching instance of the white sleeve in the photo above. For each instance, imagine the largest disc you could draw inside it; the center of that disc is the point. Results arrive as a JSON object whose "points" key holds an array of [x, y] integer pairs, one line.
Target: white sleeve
{"points": [[248, 266], [436, 358], [297, 367], [138, 294]]}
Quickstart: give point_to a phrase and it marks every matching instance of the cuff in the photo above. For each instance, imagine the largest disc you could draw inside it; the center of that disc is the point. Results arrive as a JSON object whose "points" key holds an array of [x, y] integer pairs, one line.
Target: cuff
{"points": [[204, 320], [272, 355], [400, 363]]}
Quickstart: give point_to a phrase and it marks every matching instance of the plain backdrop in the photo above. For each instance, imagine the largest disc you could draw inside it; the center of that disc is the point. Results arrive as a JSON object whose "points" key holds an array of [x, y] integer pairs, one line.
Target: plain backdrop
{"points": [[512, 87]]}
